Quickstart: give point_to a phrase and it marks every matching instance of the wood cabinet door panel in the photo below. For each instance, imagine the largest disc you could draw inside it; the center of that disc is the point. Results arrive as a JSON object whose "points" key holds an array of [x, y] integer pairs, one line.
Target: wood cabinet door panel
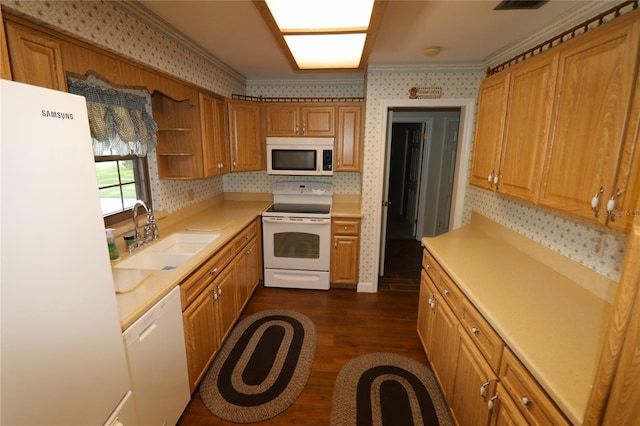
{"points": [[505, 412], [344, 260], [445, 347], [246, 146], [348, 140], [473, 373], [201, 337], [283, 120], [492, 107], [318, 121], [595, 82], [527, 128], [35, 58], [226, 290]]}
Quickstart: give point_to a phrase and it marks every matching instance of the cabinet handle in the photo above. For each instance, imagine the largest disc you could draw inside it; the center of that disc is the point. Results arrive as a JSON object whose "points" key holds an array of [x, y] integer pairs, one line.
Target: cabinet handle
{"points": [[296, 129], [611, 204], [495, 179], [234, 164], [213, 271], [491, 402], [338, 163], [490, 178], [304, 128], [526, 401], [595, 202], [432, 302], [475, 331], [483, 388]]}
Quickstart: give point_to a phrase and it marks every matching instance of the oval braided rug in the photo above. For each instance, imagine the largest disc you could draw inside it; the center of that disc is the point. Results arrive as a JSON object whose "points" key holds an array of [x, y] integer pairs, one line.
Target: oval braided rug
{"points": [[262, 367], [387, 389]]}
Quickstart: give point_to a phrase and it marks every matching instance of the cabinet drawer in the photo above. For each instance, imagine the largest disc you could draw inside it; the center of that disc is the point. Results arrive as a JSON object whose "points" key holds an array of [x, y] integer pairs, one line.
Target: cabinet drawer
{"points": [[196, 282], [482, 334], [345, 227], [430, 265], [450, 292], [527, 394], [244, 237]]}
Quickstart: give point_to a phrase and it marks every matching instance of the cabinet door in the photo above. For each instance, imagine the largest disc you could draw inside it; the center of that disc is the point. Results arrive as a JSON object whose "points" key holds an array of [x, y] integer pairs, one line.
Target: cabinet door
{"points": [[283, 120], [527, 128], [505, 412], [245, 143], [426, 311], [492, 107], [214, 142], [444, 347], [595, 82], [225, 288], [201, 337], [35, 58], [474, 384], [344, 259], [348, 139], [318, 121], [5, 66]]}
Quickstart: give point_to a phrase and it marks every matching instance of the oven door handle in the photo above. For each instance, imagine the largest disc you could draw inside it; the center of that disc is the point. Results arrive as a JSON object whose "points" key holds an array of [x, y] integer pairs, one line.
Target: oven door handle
{"points": [[297, 221]]}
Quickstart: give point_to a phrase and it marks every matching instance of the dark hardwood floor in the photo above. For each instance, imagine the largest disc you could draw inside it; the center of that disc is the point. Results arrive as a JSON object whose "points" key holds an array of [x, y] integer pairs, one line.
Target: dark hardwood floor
{"points": [[403, 258], [348, 324]]}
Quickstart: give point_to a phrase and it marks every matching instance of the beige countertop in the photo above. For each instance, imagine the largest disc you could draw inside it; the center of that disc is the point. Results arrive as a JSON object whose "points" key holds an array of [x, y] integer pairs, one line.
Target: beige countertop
{"points": [[554, 324], [225, 217]]}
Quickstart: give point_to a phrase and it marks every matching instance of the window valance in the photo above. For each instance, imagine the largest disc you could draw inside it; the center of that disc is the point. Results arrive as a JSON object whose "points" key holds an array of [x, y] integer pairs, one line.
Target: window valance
{"points": [[120, 119]]}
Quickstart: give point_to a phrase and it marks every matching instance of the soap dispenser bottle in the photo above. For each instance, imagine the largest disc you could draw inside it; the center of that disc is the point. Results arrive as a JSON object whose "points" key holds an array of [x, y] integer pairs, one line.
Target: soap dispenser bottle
{"points": [[114, 254]]}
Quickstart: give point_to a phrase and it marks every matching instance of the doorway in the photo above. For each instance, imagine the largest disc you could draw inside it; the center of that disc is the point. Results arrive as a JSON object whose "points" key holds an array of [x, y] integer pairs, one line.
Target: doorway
{"points": [[421, 168]]}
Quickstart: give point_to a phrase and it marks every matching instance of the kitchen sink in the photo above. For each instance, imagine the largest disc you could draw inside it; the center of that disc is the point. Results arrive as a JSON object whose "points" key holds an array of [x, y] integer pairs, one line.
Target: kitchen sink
{"points": [[168, 253]]}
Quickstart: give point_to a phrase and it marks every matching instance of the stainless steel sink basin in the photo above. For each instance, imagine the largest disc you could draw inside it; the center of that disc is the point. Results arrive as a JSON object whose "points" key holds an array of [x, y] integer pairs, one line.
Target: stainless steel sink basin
{"points": [[168, 253]]}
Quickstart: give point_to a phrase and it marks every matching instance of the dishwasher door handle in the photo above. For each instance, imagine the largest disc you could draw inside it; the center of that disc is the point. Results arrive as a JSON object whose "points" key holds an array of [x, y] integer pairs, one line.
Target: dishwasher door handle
{"points": [[147, 331]]}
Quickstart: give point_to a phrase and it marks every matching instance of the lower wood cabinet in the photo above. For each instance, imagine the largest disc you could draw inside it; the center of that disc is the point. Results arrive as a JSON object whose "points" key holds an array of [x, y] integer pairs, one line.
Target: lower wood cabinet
{"points": [[483, 382], [213, 297], [345, 251], [474, 384], [505, 411]]}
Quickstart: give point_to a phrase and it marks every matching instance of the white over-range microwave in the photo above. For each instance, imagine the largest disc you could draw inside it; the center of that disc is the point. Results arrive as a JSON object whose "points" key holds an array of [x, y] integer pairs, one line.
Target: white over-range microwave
{"points": [[300, 156]]}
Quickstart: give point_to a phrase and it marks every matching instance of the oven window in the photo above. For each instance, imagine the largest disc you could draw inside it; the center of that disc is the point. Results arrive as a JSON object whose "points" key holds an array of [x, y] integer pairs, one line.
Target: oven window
{"points": [[299, 159], [296, 245]]}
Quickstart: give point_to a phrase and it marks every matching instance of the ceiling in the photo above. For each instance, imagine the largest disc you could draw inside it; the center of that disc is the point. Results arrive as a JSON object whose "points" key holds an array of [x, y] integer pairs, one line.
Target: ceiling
{"points": [[467, 31]]}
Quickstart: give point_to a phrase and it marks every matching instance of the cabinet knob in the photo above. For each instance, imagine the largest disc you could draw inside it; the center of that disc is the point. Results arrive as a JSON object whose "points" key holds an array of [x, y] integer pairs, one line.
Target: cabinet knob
{"points": [[428, 267], [526, 401], [475, 331], [446, 292], [213, 271]]}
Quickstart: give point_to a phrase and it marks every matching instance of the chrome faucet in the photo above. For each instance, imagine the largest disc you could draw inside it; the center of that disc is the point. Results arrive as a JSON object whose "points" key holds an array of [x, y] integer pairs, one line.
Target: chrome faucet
{"points": [[150, 228]]}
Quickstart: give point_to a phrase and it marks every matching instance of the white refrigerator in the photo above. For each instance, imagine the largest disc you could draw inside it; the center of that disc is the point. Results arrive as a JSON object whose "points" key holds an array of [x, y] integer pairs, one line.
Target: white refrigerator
{"points": [[61, 352]]}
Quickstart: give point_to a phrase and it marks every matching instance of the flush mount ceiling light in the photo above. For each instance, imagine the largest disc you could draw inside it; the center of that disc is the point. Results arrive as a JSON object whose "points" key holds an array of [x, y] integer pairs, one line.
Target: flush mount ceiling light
{"points": [[431, 51], [323, 34]]}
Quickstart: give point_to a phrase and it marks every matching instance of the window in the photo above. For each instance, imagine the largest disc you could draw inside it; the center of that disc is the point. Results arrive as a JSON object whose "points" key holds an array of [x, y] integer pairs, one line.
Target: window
{"points": [[121, 181]]}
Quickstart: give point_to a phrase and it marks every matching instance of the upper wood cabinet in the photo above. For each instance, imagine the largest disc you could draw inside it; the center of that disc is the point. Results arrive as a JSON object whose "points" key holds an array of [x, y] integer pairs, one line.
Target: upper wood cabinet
{"points": [[295, 120], [492, 110], [596, 79], [246, 144], [514, 118], [36, 58], [5, 67], [348, 143], [214, 136], [560, 128], [179, 149]]}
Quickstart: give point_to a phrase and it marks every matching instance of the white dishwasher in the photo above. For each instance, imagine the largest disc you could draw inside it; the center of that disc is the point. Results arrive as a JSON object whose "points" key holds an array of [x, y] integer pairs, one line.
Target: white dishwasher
{"points": [[158, 363]]}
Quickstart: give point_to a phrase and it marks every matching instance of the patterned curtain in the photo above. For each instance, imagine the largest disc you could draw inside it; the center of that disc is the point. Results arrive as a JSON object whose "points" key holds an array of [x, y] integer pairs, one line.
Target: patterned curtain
{"points": [[120, 120]]}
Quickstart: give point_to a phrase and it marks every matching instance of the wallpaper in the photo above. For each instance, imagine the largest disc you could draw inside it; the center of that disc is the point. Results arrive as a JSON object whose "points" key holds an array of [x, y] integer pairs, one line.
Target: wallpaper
{"points": [[127, 30]]}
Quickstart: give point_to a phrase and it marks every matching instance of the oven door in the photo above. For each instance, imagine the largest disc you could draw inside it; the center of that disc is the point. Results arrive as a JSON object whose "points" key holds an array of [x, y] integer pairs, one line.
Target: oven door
{"points": [[296, 243]]}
